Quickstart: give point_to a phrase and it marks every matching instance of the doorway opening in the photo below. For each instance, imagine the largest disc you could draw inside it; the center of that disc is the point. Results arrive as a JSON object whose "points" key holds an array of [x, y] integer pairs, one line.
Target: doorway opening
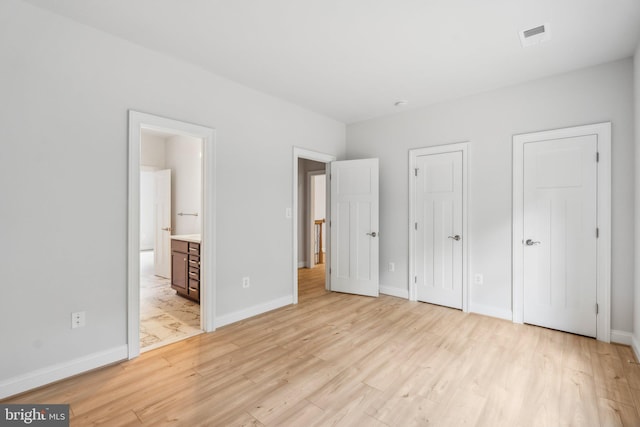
{"points": [[171, 236], [170, 220], [311, 241], [312, 225]]}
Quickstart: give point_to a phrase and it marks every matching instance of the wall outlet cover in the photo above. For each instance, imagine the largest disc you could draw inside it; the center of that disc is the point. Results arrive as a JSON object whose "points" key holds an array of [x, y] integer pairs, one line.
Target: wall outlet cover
{"points": [[78, 319]]}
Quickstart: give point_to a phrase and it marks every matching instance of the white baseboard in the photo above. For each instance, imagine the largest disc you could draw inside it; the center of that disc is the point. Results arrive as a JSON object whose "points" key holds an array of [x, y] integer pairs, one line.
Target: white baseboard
{"points": [[486, 310], [635, 345], [621, 337], [302, 264], [394, 292], [627, 338], [40, 377], [236, 316]]}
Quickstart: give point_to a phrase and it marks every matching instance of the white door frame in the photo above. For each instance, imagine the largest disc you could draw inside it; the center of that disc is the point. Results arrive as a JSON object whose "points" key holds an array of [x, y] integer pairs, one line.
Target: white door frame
{"points": [[603, 280], [301, 153], [137, 122], [311, 205], [413, 155]]}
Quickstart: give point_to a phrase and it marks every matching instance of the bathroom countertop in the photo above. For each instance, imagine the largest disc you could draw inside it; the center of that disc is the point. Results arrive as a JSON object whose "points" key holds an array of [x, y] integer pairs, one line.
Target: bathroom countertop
{"points": [[194, 238]]}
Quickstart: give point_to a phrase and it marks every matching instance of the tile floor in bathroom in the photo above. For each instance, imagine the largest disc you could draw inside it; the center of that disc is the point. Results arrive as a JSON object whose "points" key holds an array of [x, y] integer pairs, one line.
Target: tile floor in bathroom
{"points": [[165, 317]]}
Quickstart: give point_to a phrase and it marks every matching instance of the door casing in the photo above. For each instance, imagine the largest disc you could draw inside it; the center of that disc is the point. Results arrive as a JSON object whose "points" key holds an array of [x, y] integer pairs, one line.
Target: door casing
{"points": [[413, 155], [137, 122], [603, 280]]}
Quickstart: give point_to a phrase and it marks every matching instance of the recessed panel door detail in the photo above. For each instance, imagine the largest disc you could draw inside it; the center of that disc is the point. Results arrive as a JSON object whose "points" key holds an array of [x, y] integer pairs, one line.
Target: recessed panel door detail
{"points": [[354, 227], [560, 221], [438, 229]]}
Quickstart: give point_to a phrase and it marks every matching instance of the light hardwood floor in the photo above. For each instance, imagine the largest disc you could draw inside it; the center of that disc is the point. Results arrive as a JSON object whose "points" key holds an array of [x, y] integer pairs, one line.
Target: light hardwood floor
{"points": [[337, 359]]}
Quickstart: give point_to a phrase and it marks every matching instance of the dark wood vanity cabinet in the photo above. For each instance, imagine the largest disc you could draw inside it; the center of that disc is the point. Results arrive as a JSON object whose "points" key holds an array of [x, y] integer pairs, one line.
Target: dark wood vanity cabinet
{"points": [[185, 268]]}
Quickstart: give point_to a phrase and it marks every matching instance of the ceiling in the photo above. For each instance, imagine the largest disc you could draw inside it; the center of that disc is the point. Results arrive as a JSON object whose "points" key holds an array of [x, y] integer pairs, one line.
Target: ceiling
{"points": [[353, 59]]}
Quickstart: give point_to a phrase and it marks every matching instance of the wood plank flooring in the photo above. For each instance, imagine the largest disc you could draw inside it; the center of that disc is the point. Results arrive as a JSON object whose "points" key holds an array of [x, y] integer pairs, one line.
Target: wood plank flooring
{"points": [[337, 359]]}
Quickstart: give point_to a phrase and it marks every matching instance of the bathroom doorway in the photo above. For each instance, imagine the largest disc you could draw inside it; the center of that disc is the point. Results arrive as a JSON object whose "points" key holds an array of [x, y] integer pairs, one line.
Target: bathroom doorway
{"points": [[170, 212], [171, 280]]}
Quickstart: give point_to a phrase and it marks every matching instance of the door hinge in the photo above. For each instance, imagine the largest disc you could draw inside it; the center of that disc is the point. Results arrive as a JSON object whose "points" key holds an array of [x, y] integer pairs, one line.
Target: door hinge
{"points": [[597, 309], [415, 225], [415, 279], [329, 271], [597, 233], [597, 156], [415, 171]]}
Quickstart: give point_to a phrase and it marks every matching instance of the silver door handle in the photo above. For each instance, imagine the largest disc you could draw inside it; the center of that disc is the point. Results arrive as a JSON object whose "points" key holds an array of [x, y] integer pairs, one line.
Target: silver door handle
{"points": [[456, 237], [166, 228], [530, 242], [372, 234]]}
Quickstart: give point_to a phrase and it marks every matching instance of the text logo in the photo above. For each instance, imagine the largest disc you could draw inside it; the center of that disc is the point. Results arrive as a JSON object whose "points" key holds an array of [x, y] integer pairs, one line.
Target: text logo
{"points": [[34, 415]]}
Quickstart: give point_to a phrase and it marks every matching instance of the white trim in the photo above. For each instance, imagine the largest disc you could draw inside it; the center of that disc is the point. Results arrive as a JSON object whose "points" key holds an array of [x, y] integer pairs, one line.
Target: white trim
{"points": [[301, 153], [255, 310], [427, 151], [138, 121], [302, 264], [40, 377], [311, 193], [394, 292], [621, 337], [603, 297], [635, 345], [486, 310]]}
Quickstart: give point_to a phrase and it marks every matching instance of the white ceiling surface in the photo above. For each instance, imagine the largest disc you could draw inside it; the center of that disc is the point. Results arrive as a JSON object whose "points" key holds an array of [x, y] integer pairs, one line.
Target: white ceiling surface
{"points": [[352, 59]]}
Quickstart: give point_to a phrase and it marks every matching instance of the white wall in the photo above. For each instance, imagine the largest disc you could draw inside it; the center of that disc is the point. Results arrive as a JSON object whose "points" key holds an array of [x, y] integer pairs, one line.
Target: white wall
{"points": [[488, 121], [147, 210], [152, 158], [320, 205], [66, 91], [636, 298], [183, 157], [152, 151]]}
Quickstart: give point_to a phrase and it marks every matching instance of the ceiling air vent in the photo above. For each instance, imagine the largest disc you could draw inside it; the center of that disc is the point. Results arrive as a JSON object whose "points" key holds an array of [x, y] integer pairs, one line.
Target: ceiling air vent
{"points": [[535, 35]]}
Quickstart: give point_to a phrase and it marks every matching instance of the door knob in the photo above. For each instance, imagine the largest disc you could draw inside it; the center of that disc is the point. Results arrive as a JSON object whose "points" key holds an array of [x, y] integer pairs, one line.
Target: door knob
{"points": [[456, 237], [372, 234], [530, 242]]}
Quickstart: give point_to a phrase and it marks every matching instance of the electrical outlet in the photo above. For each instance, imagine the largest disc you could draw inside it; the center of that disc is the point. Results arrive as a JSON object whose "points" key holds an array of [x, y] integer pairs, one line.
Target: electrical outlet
{"points": [[245, 282], [392, 266], [78, 319], [478, 279]]}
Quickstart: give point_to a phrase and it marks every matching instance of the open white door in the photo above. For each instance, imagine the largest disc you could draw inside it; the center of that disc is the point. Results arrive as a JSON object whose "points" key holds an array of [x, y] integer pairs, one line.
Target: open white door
{"points": [[162, 250], [354, 227]]}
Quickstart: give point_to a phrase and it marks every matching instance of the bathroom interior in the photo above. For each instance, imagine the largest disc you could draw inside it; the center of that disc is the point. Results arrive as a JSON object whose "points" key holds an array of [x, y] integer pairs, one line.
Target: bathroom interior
{"points": [[170, 237]]}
